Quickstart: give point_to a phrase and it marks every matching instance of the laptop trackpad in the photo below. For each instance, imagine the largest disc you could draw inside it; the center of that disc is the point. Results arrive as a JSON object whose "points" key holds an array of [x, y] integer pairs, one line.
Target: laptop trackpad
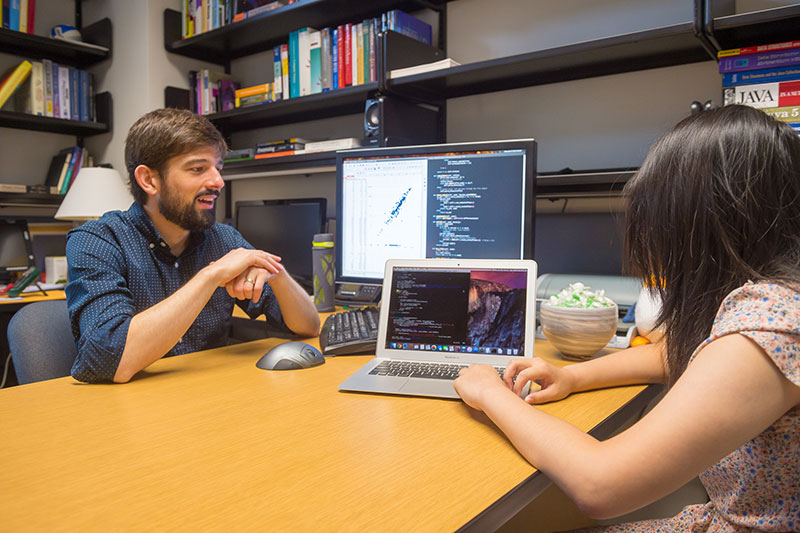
{"points": [[441, 388]]}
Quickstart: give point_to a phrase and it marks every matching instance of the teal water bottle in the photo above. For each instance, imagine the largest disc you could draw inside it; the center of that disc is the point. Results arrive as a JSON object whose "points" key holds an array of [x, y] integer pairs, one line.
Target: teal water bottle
{"points": [[322, 255]]}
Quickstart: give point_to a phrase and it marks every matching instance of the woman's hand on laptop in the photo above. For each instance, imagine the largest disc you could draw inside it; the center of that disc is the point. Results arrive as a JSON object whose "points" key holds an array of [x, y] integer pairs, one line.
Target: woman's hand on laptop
{"points": [[476, 383], [554, 382]]}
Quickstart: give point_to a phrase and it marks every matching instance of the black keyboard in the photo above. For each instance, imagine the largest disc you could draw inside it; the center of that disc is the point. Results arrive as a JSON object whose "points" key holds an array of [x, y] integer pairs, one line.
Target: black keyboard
{"points": [[417, 369], [350, 332]]}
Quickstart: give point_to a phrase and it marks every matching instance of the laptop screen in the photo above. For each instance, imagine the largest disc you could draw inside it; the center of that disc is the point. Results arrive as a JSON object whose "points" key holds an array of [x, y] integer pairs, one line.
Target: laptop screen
{"points": [[460, 310]]}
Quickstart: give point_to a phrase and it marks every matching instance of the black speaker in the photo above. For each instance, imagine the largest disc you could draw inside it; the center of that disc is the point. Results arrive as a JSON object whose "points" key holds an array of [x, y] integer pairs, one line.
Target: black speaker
{"points": [[396, 122]]}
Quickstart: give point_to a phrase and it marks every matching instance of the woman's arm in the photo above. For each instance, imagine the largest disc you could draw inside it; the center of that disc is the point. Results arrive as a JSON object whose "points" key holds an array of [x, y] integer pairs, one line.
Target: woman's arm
{"points": [[729, 394]]}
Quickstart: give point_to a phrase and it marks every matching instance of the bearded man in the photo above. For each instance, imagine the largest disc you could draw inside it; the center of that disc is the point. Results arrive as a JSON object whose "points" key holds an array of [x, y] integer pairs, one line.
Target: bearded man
{"points": [[161, 278]]}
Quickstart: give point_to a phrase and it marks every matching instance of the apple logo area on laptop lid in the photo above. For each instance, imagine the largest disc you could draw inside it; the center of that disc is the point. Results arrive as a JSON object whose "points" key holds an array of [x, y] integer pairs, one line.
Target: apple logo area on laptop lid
{"points": [[439, 315]]}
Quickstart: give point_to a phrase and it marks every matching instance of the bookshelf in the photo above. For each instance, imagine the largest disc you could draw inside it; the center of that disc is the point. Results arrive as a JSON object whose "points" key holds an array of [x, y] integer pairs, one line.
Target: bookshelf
{"points": [[69, 53], [669, 45]]}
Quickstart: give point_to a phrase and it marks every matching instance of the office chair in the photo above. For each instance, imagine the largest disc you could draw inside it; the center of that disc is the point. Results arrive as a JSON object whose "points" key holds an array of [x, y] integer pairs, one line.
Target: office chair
{"points": [[41, 342]]}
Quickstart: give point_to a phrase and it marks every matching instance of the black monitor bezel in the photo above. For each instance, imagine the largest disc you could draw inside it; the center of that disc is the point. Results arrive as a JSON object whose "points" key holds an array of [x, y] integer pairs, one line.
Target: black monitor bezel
{"points": [[323, 212], [529, 145], [5, 270]]}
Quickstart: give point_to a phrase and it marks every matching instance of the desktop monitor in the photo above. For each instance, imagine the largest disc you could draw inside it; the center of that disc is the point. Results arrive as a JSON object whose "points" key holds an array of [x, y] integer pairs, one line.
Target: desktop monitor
{"points": [[16, 252], [460, 200], [285, 228]]}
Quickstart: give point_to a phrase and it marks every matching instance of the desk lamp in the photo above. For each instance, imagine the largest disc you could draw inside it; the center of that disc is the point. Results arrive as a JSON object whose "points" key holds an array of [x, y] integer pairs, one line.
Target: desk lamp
{"points": [[96, 190]]}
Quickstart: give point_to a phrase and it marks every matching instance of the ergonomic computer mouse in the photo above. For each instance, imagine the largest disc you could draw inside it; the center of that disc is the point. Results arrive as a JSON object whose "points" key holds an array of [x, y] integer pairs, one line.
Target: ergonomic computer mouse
{"points": [[291, 356]]}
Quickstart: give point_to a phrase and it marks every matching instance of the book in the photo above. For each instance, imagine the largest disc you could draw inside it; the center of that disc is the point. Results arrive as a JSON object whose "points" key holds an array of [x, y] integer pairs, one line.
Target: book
{"points": [[62, 177], [332, 145], [13, 187], [761, 76], [83, 91], [227, 94], [354, 37], [56, 96], [778, 58], [283, 141], [426, 67], [304, 60], [255, 89], [54, 173], [326, 59], [253, 99], [23, 16], [294, 65], [47, 67], [277, 79], [315, 62], [30, 96], [402, 22], [346, 57], [243, 154], [763, 95], [359, 57], [284, 72], [789, 114], [279, 148], [74, 105], [70, 173], [12, 79], [64, 97], [278, 154], [758, 49], [335, 59], [13, 15]]}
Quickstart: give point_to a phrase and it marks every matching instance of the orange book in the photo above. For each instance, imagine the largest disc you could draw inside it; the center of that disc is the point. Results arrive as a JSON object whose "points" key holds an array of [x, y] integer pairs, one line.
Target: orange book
{"points": [[275, 154]]}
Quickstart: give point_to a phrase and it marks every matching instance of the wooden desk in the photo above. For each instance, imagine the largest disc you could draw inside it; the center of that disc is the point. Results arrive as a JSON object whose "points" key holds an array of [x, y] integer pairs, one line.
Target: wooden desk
{"points": [[209, 441]]}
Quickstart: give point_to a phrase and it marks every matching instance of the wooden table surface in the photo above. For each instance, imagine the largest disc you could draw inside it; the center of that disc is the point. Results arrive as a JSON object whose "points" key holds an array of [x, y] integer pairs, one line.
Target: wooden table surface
{"points": [[208, 440]]}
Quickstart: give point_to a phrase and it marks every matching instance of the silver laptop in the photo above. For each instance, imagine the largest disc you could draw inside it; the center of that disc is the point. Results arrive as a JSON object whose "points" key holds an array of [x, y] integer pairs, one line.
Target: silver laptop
{"points": [[440, 315]]}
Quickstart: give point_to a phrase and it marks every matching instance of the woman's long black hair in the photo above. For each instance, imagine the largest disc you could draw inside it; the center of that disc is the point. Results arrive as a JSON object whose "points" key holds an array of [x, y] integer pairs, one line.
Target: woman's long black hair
{"points": [[715, 204]]}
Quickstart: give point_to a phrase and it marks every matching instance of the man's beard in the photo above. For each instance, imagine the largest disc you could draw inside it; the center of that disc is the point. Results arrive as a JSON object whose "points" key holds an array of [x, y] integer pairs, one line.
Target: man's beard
{"points": [[187, 216]]}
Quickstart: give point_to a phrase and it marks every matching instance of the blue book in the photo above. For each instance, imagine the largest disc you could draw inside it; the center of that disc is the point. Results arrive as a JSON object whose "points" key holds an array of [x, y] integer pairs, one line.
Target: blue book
{"points": [[294, 65], [74, 110], [335, 59], [83, 95], [56, 94], [767, 75], [13, 15], [409, 25]]}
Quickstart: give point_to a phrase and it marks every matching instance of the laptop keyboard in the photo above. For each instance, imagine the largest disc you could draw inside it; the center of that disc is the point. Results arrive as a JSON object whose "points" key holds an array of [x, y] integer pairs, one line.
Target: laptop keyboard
{"points": [[417, 369], [350, 332]]}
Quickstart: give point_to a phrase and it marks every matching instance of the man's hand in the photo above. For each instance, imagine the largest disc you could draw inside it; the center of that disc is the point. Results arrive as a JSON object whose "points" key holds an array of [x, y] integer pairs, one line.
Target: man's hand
{"points": [[243, 272]]}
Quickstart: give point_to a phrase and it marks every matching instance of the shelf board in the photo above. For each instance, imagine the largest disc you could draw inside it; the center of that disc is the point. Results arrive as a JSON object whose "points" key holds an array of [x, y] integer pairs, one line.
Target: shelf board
{"points": [[659, 47], [766, 26], [262, 32], [335, 103], [288, 164], [582, 183], [25, 121], [57, 50]]}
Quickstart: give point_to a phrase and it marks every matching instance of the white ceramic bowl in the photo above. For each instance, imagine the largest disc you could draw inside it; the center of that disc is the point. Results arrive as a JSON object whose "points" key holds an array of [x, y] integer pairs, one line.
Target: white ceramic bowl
{"points": [[576, 332]]}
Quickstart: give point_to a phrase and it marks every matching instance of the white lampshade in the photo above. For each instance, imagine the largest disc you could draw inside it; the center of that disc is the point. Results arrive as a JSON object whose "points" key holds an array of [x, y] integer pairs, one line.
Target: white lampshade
{"points": [[96, 190]]}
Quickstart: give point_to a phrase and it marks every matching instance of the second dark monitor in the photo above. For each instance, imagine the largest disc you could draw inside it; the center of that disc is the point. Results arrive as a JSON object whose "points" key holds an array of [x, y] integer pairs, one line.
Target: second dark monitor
{"points": [[284, 228]]}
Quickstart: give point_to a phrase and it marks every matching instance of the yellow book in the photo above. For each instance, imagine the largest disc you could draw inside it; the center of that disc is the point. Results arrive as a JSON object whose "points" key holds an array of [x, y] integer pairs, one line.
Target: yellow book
{"points": [[360, 53], [12, 79]]}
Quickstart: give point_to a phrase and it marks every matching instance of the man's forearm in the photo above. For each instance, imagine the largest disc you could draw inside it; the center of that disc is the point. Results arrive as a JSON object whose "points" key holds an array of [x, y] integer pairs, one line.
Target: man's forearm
{"points": [[297, 308], [154, 331]]}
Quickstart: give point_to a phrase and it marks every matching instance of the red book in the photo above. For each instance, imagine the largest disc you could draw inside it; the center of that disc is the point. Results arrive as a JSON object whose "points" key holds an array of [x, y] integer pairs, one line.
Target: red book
{"points": [[758, 49], [31, 14], [274, 154], [348, 60], [340, 46]]}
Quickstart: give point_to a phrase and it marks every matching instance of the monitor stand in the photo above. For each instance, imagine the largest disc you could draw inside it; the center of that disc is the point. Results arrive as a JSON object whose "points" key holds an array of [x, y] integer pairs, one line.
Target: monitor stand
{"points": [[357, 294]]}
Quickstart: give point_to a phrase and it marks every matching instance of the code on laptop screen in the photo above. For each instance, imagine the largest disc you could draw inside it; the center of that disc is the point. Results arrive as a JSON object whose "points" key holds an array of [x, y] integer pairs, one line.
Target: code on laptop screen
{"points": [[458, 310]]}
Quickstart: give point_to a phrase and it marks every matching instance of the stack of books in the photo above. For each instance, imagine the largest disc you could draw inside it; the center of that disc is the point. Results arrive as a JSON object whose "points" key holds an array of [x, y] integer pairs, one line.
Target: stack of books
{"points": [[257, 94], [766, 77], [64, 168], [18, 15], [48, 89], [199, 16], [211, 91], [280, 148]]}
